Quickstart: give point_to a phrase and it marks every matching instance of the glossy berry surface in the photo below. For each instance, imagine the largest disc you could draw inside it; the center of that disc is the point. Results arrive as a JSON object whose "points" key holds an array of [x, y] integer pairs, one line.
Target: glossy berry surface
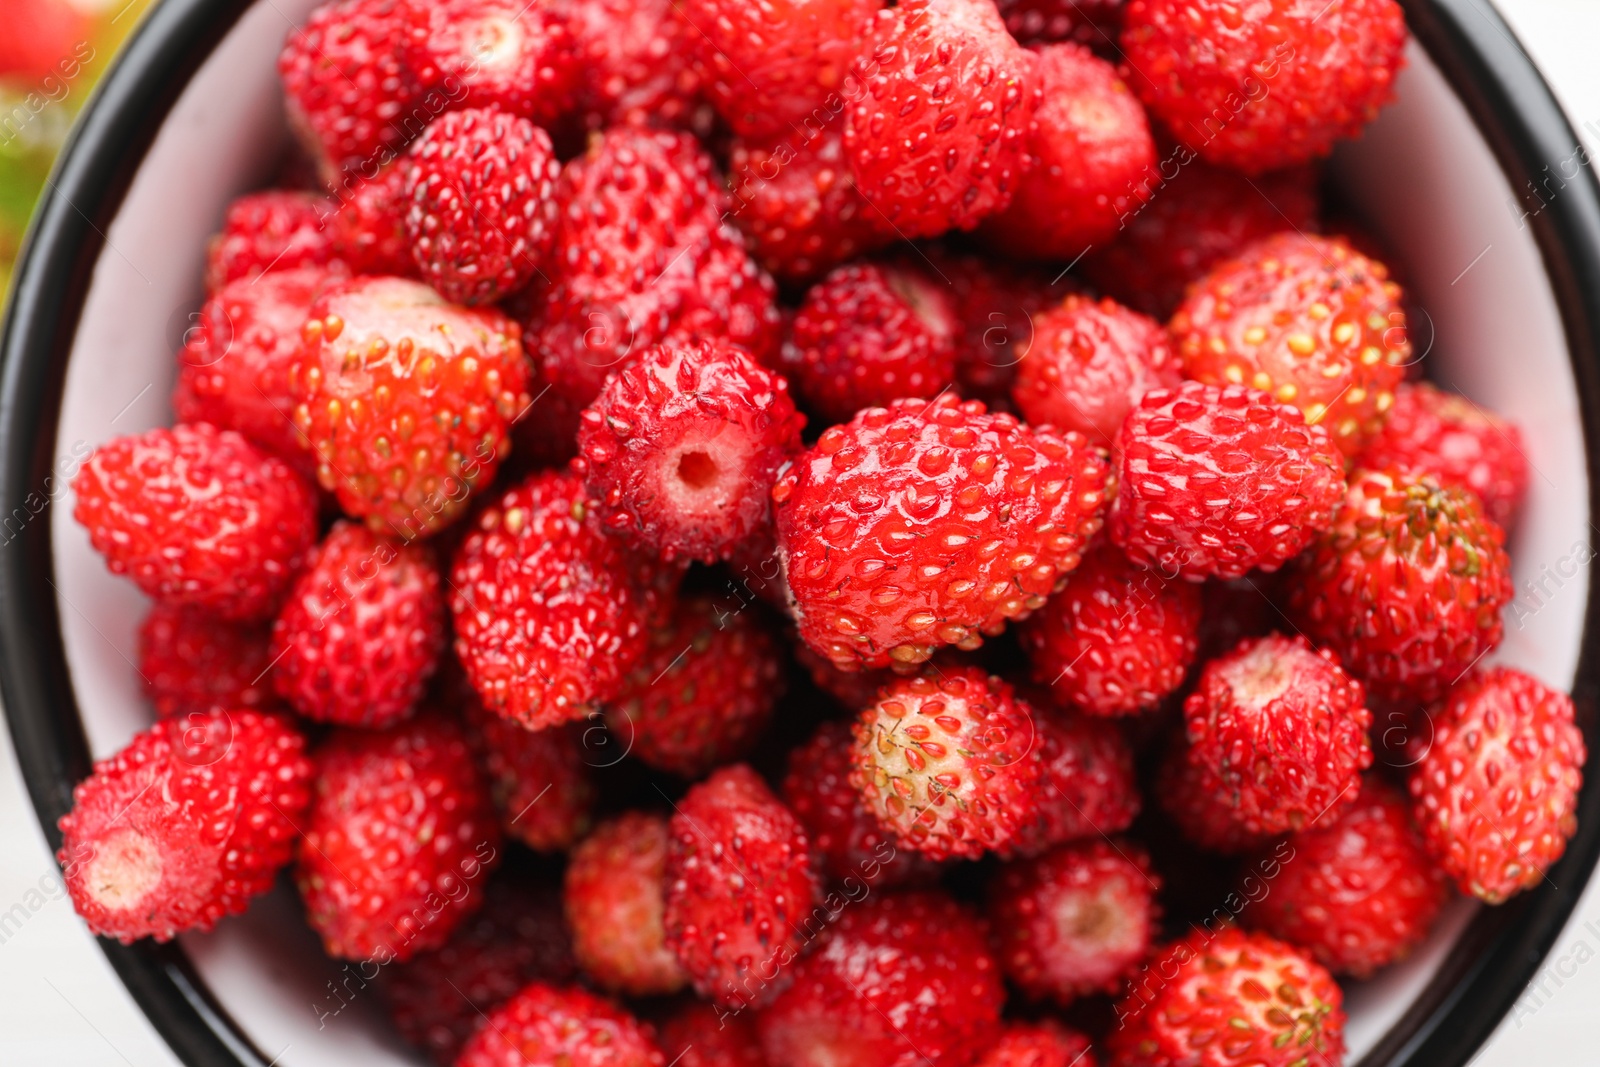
{"points": [[615, 903], [544, 1024], [1086, 782], [542, 781], [190, 661], [521, 59], [276, 230]]}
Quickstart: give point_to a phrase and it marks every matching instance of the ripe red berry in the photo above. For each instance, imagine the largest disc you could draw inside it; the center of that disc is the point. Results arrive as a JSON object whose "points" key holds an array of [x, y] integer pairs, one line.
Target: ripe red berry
{"points": [[1307, 319], [1218, 481], [549, 612], [521, 59], [1077, 920], [948, 762], [185, 824], [191, 661], [369, 230], [1243, 998], [1188, 794], [1086, 784], [996, 305], [928, 524], [615, 900], [361, 631], [540, 780], [940, 138], [1496, 793], [703, 1035], [1359, 891], [407, 401], [1041, 1044], [399, 841], [544, 1024], [1091, 154], [1284, 728], [271, 231], [1116, 638], [1406, 587], [1456, 442], [197, 516], [903, 980], [1268, 91], [636, 64], [869, 334], [481, 208], [682, 447], [1087, 364], [740, 890]]}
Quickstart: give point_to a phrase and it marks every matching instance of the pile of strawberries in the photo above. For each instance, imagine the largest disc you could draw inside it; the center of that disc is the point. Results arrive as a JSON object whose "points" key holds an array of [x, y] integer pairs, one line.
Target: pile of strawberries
{"points": [[666, 591]]}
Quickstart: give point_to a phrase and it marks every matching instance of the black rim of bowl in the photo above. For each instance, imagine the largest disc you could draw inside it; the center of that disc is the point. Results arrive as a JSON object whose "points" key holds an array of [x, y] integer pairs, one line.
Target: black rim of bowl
{"points": [[1485, 970]]}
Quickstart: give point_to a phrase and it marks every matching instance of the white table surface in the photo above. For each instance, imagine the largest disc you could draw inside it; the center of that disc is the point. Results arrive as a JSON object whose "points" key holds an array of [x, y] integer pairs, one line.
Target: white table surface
{"points": [[61, 1005]]}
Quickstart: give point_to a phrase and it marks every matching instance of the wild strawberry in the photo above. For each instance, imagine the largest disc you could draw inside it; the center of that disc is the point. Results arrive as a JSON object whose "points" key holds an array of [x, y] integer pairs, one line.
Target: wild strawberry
{"points": [[271, 231], [1268, 91], [1090, 152], [1086, 783], [1457, 442], [903, 979], [1041, 1044], [703, 1035], [995, 305], [361, 631], [1358, 892], [43, 41], [480, 195], [615, 897], [931, 523], [948, 763], [682, 447], [1243, 998], [636, 65], [369, 230], [740, 891], [192, 661], [540, 779], [1285, 730], [704, 690], [517, 58], [544, 1024], [549, 612], [1091, 22], [185, 824], [436, 998], [1307, 319], [1496, 793], [940, 138], [198, 516], [1077, 920], [769, 69], [1218, 481], [850, 845], [1188, 794], [233, 369], [1088, 363], [869, 334], [407, 401], [398, 842], [1406, 587]]}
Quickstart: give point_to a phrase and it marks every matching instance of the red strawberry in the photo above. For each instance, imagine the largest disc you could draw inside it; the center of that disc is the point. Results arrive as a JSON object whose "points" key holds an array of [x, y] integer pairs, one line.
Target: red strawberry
{"points": [[517, 58], [682, 447], [271, 231], [996, 305], [1188, 794], [869, 334], [940, 138], [1116, 639], [636, 64], [1088, 363], [369, 231], [407, 401], [480, 195], [850, 845], [1217, 481], [1358, 892], [1284, 729], [1077, 920], [929, 524], [436, 998], [1092, 152], [739, 888], [1457, 443], [615, 899], [704, 690], [903, 980], [185, 824], [549, 612], [540, 779], [1226, 998], [1496, 793], [398, 842], [192, 661], [1041, 1044], [233, 369], [1307, 319], [1087, 787], [361, 632], [45, 40], [546, 1025], [703, 1035], [197, 516], [1406, 587], [1268, 91], [1091, 22], [948, 762]]}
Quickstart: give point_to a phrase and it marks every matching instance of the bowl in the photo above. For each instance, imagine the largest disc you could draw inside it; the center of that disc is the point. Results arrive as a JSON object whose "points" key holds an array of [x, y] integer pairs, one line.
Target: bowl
{"points": [[1473, 174]]}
